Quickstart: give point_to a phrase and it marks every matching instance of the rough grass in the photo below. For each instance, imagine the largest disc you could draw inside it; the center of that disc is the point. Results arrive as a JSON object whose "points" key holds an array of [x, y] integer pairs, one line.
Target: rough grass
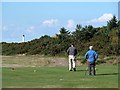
{"points": [[32, 61], [19, 72]]}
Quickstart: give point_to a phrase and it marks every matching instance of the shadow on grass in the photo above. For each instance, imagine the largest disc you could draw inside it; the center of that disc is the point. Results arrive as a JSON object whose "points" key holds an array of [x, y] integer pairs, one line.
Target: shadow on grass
{"points": [[100, 74], [107, 74], [81, 70]]}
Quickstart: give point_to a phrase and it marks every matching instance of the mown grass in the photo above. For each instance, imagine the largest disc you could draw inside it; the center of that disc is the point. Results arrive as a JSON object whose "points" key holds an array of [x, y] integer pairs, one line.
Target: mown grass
{"points": [[43, 77]]}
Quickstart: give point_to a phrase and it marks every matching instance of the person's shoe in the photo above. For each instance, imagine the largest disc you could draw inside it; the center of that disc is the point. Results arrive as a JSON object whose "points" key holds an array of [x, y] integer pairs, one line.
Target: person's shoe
{"points": [[74, 69], [89, 74], [70, 70], [93, 75]]}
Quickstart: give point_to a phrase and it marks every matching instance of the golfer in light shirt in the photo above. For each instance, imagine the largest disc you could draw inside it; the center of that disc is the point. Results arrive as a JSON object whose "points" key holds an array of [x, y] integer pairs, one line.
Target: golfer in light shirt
{"points": [[91, 57]]}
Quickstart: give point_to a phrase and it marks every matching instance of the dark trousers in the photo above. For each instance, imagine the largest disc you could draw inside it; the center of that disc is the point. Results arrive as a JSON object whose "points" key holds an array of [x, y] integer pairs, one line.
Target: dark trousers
{"points": [[91, 68]]}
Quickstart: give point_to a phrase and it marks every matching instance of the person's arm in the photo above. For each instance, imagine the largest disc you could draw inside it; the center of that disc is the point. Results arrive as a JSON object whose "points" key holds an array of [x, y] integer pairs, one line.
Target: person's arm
{"points": [[75, 51], [86, 55], [68, 51], [96, 56]]}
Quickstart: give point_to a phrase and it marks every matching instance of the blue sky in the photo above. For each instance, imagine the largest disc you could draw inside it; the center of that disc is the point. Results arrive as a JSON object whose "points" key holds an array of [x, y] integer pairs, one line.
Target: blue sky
{"points": [[34, 19]]}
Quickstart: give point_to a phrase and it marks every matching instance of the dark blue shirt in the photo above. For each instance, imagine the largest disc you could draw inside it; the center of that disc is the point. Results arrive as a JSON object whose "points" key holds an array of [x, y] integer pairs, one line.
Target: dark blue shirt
{"points": [[91, 55], [72, 51]]}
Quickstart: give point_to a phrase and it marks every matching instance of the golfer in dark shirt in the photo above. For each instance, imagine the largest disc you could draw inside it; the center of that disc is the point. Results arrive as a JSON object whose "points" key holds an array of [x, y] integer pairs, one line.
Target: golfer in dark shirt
{"points": [[72, 61]]}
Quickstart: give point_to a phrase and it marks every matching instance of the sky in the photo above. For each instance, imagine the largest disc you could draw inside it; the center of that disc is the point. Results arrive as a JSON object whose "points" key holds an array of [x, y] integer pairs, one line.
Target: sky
{"points": [[35, 19]]}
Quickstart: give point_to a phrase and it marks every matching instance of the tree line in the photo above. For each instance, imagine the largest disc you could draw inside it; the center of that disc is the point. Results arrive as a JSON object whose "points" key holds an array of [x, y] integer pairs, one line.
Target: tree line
{"points": [[105, 40]]}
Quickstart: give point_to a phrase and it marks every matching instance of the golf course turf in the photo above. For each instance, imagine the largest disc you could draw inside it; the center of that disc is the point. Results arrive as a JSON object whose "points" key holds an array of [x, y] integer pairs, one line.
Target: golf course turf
{"points": [[56, 77]]}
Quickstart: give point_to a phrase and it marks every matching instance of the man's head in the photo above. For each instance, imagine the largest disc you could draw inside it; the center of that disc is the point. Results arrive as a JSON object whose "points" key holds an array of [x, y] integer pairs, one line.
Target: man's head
{"points": [[91, 47], [72, 45]]}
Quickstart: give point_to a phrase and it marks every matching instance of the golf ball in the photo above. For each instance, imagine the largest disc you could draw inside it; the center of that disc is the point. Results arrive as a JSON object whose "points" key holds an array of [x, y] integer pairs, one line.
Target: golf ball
{"points": [[34, 70]]}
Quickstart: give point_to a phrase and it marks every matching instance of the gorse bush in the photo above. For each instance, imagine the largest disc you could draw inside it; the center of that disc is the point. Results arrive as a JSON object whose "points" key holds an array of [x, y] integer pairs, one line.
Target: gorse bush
{"points": [[104, 39]]}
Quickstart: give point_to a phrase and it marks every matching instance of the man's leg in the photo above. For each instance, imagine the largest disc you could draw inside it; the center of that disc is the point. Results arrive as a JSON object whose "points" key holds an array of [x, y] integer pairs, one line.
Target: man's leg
{"points": [[70, 64], [93, 71], [74, 64], [89, 68]]}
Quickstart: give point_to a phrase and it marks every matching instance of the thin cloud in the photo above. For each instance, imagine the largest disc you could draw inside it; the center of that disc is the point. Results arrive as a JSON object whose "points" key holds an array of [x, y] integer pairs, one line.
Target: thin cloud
{"points": [[30, 29], [4, 28], [10, 27], [50, 22], [104, 18], [70, 23]]}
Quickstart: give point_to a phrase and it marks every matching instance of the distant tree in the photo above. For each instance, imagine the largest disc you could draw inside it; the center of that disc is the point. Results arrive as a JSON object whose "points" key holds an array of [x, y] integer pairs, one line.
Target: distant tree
{"points": [[118, 23], [112, 23], [64, 33], [88, 32], [118, 34], [45, 36], [90, 27], [77, 33], [78, 27]]}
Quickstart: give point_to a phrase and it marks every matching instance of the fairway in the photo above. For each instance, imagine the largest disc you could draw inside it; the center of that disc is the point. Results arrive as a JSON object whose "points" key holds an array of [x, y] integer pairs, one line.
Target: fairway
{"points": [[52, 77]]}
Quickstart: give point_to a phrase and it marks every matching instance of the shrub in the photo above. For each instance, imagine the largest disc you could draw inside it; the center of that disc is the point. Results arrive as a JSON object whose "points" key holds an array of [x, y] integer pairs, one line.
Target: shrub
{"points": [[100, 62]]}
